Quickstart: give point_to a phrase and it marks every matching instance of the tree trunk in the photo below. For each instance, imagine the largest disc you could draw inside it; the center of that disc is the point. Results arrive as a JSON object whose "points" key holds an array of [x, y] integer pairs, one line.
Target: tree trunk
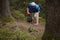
{"points": [[0, 7], [52, 30], [5, 8]]}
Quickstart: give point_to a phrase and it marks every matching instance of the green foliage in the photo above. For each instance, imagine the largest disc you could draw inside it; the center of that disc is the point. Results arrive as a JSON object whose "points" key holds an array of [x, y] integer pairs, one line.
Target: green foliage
{"points": [[7, 19], [30, 29], [19, 15], [35, 30], [7, 34], [42, 21]]}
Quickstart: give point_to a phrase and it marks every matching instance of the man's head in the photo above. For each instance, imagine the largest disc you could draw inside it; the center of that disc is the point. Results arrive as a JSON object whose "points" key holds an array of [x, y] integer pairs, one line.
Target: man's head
{"points": [[33, 3]]}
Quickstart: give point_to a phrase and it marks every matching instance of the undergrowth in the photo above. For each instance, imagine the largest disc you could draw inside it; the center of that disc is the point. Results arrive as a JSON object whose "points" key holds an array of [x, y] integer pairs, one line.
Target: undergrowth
{"points": [[7, 34]]}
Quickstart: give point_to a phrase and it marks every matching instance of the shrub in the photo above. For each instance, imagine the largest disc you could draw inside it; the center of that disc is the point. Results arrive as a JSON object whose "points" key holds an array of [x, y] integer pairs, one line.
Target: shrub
{"points": [[18, 15]]}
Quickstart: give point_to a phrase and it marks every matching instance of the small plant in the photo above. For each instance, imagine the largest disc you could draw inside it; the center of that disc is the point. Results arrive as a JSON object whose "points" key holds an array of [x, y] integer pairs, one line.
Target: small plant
{"points": [[35, 30], [30, 29]]}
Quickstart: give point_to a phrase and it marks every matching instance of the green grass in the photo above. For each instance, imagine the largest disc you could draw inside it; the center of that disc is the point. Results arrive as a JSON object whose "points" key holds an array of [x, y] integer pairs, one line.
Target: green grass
{"points": [[20, 16], [30, 29], [7, 34], [7, 19], [42, 21]]}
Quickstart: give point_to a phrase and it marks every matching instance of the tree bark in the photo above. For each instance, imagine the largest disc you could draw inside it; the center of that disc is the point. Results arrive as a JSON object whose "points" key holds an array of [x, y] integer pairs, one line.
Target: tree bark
{"points": [[52, 30], [5, 8], [0, 7]]}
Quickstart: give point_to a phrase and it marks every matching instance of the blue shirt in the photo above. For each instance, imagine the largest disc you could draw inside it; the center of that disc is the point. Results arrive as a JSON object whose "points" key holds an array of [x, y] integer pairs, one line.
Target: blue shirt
{"points": [[35, 8]]}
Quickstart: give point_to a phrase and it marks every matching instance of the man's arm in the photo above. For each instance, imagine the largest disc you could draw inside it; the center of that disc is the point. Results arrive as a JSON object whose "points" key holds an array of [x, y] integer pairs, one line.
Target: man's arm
{"points": [[28, 11]]}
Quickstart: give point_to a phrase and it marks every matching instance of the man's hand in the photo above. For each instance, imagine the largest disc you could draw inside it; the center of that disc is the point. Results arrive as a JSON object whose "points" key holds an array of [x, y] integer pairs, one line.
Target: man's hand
{"points": [[28, 14]]}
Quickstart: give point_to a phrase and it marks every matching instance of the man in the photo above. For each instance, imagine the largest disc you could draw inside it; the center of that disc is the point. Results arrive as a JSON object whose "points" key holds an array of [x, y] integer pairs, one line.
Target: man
{"points": [[34, 9]]}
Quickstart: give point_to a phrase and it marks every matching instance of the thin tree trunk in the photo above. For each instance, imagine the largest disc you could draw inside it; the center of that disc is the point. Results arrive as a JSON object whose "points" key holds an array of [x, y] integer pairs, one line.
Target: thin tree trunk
{"points": [[5, 9], [52, 30]]}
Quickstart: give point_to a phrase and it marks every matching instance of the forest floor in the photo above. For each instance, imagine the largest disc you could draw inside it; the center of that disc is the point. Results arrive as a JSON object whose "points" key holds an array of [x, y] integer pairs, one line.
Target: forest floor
{"points": [[24, 26]]}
